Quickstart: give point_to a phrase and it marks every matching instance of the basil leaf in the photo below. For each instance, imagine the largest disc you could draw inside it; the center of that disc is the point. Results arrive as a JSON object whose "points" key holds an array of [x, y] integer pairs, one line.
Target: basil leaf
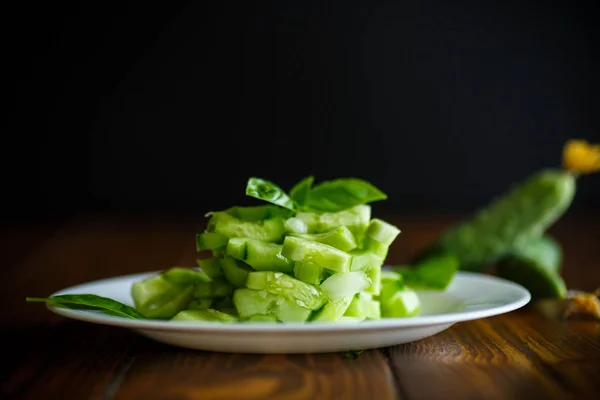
{"points": [[90, 302], [268, 191], [341, 194], [300, 191]]}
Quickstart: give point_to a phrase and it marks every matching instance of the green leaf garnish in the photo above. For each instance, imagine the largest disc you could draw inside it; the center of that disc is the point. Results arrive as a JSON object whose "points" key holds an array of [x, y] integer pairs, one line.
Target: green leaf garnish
{"points": [[268, 191], [300, 191], [90, 302], [341, 194]]}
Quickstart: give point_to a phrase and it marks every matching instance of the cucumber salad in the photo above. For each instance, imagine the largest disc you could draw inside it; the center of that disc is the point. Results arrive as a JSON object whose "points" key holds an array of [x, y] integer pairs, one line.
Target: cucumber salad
{"points": [[313, 254]]}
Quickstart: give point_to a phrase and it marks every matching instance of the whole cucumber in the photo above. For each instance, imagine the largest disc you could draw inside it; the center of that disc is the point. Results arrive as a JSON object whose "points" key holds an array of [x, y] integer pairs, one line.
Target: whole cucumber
{"points": [[525, 211], [536, 265]]}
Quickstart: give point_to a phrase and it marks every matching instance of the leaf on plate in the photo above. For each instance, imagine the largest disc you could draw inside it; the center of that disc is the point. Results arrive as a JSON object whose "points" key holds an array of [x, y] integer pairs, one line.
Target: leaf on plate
{"points": [[90, 302]]}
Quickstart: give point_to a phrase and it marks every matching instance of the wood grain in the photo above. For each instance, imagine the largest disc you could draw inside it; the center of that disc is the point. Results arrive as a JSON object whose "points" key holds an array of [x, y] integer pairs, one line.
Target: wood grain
{"points": [[520, 355]]}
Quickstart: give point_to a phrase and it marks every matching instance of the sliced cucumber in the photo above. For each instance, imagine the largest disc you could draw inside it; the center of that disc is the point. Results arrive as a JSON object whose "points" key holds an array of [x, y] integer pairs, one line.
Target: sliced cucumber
{"points": [[250, 302], [374, 274], [376, 247], [340, 238], [382, 231], [210, 266], [235, 271], [258, 213], [210, 241], [309, 272], [333, 309], [356, 219], [401, 304], [303, 250], [185, 276], [364, 259], [301, 293], [345, 284], [268, 230], [287, 311], [363, 306], [261, 318], [217, 288], [295, 225], [204, 315], [261, 256], [155, 297]]}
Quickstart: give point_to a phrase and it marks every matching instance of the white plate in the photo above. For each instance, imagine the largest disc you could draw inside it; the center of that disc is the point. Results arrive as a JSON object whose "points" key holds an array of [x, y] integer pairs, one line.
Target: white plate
{"points": [[470, 296]]}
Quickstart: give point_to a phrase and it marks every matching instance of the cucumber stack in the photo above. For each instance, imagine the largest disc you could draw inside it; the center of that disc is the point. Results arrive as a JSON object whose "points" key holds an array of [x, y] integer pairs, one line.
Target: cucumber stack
{"points": [[313, 255]]}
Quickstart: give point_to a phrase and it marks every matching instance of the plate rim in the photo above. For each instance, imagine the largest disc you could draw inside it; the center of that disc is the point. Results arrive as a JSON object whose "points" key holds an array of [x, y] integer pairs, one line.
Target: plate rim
{"points": [[293, 327]]}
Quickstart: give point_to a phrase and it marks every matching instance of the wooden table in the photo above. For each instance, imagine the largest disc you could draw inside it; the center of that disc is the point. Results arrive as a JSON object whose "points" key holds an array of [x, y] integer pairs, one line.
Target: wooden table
{"points": [[520, 355]]}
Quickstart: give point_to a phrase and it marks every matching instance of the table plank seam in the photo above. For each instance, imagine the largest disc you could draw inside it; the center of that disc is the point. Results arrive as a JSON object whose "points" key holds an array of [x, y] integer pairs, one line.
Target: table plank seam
{"points": [[113, 386], [398, 389]]}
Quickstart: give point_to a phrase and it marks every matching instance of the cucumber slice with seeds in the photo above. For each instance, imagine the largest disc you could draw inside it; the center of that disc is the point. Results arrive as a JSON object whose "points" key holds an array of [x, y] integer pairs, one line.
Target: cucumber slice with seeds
{"points": [[303, 250], [340, 238], [210, 241], [261, 256], [236, 272], [300, 293]]}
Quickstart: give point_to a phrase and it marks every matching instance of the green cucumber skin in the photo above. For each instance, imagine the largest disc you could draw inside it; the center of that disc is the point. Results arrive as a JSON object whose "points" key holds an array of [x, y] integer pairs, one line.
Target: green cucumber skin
{"points": [[529, 262], [525, 211]]}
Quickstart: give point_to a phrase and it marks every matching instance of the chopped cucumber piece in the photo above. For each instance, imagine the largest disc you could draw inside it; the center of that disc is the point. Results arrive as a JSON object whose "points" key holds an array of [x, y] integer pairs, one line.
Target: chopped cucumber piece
{"points": [[268, 230], [250, 302], [295, 225], [374, 274], [235, 271], [257, 213], [382, 231], [391, 282], [432, 273], [185, 276], [356, 219], [303, 250], [301, 293], [261, 318], [363, 307], [199, 304], [210, 241], [401, 304], [210, 266], [364, 259], [345, 284], [155, 297], [260, 255], [340, 238], [217, 288], [237, 248], [333, 310], [288, 311], [204, 315], [376, 247], [309, 272]]}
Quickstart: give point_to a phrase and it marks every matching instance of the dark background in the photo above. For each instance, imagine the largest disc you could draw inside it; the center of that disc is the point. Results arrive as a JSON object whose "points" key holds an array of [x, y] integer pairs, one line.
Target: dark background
{"points": [[142, 108]]}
